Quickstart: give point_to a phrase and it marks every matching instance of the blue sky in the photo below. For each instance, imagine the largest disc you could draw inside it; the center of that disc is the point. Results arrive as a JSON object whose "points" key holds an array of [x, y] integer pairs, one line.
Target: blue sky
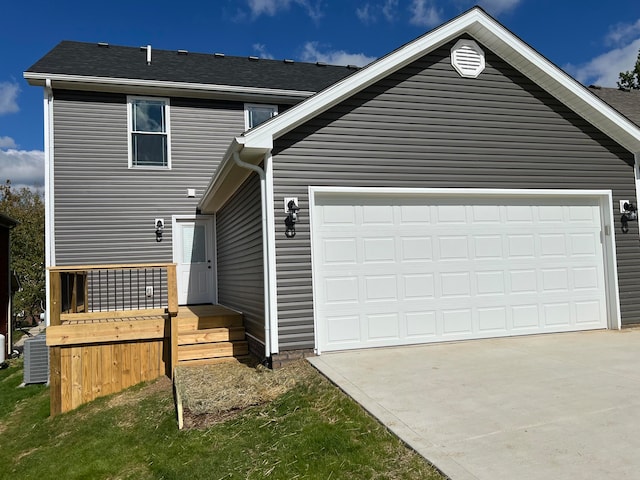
{"points": [[592, 40]]}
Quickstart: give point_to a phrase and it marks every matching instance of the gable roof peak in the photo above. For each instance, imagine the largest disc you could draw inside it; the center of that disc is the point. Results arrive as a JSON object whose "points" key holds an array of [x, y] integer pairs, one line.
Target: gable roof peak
{"points": [[486, 30]]}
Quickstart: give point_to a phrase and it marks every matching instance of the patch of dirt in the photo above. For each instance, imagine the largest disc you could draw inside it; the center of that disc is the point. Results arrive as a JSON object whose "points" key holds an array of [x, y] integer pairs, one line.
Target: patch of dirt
{"points": [[215, 393]]}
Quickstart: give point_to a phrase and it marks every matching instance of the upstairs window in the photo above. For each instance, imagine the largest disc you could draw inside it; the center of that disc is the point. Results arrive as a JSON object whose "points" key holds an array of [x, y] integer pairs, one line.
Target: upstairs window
{"points": [[149, 139], [255, 114]]}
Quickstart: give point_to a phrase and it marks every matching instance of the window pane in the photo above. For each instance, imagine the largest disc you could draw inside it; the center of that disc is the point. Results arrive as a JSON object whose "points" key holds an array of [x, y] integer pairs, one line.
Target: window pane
{"points": [[148, 116], [193, 244], [258, 115], [149, 150]]}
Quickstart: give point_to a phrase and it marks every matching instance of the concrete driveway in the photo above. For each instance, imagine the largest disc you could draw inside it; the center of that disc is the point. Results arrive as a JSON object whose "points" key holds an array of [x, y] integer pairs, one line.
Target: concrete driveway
{"points": [[558, 406]]}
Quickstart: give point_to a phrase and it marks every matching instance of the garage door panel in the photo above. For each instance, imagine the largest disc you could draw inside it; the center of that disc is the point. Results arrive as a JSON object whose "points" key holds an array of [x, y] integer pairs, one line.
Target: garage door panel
{"points": [[584, 244], [457, 321], [410, 214], [380, 288], [414, 270], [525, 317], [420, 325], [340, 251], [377, 215], [586, 278], [455, 284], [485, 214], [493, 319], [557, 314], [589, 311], [419, 286], [343, 330], [453, 247], [341, 290], [552, 245], [554, 280], [377, 249], [385, 326], [416, 249], [488, 247], [584, 214], [451, 214], [490, 283]]}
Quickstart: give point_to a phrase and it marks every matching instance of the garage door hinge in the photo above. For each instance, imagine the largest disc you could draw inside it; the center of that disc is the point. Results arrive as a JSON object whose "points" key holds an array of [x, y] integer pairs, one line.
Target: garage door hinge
{"points": [[607, 230]]}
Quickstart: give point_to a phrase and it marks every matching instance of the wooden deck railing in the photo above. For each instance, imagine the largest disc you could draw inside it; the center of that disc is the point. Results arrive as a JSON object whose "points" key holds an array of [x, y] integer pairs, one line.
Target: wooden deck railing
{"points": [[110, 327], [103, 288]]}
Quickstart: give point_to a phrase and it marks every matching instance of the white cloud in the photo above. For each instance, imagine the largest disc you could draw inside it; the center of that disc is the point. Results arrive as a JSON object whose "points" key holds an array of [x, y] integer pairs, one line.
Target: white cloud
{"points": [[7, 142], [496, 7], [24, 168], [8, 96], [365, 14], [272, 7], [623, 33], [267, 7], [312, 53], [424, 13], [369, 13], [261, 50], [389, 9], [604, 69]]}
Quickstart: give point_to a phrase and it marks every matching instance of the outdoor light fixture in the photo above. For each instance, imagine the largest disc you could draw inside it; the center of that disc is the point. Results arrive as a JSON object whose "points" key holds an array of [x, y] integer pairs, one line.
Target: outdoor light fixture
{"points": [[291, 218], [159, 228], [630, 213]]}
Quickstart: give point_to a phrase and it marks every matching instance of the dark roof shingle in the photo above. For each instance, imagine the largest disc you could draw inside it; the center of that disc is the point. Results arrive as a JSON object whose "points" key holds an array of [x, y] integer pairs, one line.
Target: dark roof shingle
{"points": [[625, 102], [95, 60]]}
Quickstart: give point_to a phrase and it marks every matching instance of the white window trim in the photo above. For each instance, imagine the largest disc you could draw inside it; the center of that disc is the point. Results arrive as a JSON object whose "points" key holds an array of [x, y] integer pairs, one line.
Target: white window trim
{"points": [[167, 113], [247, 106]]}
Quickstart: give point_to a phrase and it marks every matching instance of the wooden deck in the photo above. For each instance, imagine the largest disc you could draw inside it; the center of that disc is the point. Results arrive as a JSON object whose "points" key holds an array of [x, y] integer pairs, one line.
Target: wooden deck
{"points": [[95, 354]]}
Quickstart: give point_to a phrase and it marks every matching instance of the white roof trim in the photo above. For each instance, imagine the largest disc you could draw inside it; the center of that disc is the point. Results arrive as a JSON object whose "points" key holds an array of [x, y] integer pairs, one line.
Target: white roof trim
{"points": [[494, 36], [40, 78], [482, 28]]}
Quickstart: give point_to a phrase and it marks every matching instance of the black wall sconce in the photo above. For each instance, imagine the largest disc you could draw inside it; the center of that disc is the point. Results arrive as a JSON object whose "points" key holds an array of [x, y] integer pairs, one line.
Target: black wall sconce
{"points": [[630, 214], [159, 224], [292, 217]]}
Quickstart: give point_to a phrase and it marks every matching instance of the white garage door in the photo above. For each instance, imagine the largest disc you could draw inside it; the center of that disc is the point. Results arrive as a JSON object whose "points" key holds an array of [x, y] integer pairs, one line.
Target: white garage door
{"points": [[403, 270]]}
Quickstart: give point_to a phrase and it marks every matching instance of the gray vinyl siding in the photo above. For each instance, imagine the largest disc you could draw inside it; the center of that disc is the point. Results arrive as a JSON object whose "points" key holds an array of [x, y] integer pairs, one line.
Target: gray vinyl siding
{"points": [[425, 126], [239, 256], [104, 211]]}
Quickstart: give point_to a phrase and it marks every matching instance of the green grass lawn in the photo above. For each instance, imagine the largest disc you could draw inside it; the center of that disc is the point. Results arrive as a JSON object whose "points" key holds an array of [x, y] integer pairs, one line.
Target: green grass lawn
{"points": [[312, 432]]}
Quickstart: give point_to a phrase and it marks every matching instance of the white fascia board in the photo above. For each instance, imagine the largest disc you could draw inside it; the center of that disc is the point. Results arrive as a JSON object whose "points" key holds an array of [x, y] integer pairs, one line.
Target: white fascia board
{"points": [[228, 176], [219, 175], [38, 79], [497, 38]]}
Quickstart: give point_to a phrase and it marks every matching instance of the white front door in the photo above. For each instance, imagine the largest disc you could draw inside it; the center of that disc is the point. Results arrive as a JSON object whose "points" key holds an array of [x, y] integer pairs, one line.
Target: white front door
{"points": [[193, 253]]}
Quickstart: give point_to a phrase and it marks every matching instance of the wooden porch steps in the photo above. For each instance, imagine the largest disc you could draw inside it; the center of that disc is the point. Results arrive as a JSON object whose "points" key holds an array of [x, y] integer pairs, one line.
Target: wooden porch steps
{"points": [[210, 334]]}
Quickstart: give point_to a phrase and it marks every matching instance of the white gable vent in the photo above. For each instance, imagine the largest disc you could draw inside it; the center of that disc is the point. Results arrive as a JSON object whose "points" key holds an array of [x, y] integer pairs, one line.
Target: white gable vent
{"points": [[467, 58]]}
